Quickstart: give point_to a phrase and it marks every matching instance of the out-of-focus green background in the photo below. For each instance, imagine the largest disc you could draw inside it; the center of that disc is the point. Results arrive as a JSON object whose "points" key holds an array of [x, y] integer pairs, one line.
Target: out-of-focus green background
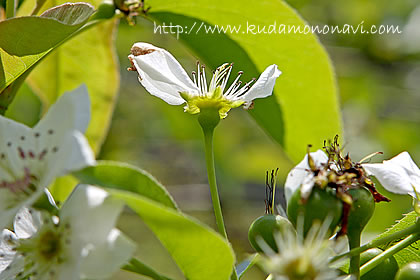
{"points": [[379, 82]]}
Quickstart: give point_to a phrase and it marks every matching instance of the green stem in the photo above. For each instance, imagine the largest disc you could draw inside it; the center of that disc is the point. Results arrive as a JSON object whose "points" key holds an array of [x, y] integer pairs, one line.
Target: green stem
{"points": [[10, 8], [208, 120], [208, 143], [354, 242], [377, 242], [389, 252]]}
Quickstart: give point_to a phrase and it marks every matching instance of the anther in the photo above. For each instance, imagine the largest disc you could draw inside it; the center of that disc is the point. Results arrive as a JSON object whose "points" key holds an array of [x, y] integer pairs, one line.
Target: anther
{"points": [[21, 153], [42, 154]]}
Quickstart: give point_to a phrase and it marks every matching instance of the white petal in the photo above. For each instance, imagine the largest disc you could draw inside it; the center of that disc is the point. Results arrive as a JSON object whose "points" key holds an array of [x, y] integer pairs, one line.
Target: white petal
{"points": [[91, 213], [161, 74], [405, 161], [105, 259], [263, 87], [71, 111], [16, 266], [68, 270], [6, 248], [10, 204], [298, 174], [392, 177], [11, 162], [307, 186], [73, 153], [27, 222]]}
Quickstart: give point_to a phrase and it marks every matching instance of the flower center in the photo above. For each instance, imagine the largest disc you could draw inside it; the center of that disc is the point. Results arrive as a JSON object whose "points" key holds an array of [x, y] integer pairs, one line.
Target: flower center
{"points": [[46, 249], [301, 269], [49, 245], [219, 80]]}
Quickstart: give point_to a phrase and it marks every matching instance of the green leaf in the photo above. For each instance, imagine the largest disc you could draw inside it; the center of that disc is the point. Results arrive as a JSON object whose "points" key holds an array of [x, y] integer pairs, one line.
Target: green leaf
{"points": [[25, 40], [410, 253], [304, 109], [123, 176], [141, 268], [87, 58], [200, 253]]}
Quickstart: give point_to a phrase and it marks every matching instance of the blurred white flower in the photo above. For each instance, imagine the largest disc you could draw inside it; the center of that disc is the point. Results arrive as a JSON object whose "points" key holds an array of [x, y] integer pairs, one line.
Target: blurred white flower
{"points": [[301, 258], [31, 158], [398, 175], [302, 175], [162, 75], [81, 243]]}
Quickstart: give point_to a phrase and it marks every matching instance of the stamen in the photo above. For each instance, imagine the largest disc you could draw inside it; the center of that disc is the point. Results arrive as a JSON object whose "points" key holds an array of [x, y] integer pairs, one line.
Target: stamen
{"points": [[194, 75], [213, 79], [204, 81], [227, 77], [42, 154], [224, 73], [217, 77], [244, 89], [221, 75], [198, 77], [233, 87]]}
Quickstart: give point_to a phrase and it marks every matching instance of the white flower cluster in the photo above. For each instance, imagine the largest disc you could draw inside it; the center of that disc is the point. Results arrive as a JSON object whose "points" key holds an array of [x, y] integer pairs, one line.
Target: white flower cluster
{"points": [[77, 240]]}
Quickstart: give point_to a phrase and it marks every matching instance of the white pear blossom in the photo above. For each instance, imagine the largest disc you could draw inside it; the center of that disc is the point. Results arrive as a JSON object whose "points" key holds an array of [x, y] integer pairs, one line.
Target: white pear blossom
{"points": [[302, 175], [162, 75], [398, 175], [302, 257], [30, 158], [80, 243]]}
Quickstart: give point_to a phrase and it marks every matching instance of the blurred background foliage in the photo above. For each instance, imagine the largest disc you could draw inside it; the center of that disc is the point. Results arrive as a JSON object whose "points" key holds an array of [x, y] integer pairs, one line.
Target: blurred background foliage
{"points": [[379, 84]]}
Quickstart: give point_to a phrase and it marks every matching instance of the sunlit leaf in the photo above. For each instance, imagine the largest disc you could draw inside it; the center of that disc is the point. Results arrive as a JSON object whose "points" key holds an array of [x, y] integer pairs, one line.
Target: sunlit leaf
{"points": [[87, 58], [123, 176], [24, 40], [200, 253], [410, 253]]}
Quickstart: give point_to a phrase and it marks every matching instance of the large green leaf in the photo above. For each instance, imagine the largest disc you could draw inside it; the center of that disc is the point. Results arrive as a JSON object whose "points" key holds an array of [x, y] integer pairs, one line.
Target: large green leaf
{"points": [[410, 253], [126, 177], [200, 253], [304, 109], [87, 58], [25, 40]]}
